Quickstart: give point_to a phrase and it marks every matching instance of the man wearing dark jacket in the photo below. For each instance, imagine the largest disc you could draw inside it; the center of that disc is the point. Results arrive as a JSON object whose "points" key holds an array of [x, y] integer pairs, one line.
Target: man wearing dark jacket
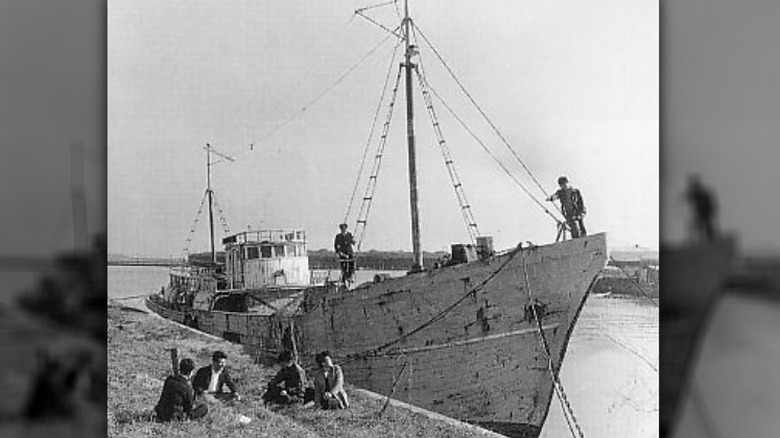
{"points": [[177, 401], [211, 379], [288, 386], [342, 244], [572, 206]]}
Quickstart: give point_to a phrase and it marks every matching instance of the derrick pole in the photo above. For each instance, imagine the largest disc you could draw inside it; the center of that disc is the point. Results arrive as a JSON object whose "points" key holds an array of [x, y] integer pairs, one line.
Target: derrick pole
{"points": [[209, 192], [418, 257]]}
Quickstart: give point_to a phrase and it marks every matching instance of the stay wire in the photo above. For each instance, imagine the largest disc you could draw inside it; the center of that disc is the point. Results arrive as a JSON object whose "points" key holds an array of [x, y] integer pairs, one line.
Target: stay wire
{"points": [[324, 92], [482, 112], [371, 133], [365, 8], [493, 156]]}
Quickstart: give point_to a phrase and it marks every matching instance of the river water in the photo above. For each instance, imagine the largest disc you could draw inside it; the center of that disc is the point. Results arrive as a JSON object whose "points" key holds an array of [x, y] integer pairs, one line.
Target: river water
{"points": [[609, 375]]}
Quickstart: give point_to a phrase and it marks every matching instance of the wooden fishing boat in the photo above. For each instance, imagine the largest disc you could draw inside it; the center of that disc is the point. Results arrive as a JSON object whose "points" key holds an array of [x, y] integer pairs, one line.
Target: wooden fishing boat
{"points": [[480, 339]]}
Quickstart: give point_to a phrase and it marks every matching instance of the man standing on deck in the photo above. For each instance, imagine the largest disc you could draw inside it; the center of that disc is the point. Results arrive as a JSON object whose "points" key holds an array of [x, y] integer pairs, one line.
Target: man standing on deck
{"points": [[572, 206], [343, 247], [704, 207], [210, 379]]}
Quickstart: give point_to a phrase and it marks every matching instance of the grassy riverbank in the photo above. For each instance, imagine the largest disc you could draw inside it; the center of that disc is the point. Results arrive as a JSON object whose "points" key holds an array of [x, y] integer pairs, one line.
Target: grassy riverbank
{"points": [[139, 363]]}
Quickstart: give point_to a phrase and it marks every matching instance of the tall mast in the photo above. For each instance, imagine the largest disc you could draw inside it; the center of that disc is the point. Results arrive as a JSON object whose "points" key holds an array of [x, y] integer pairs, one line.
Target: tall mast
{"points": [[209, 192], [418, 258]]}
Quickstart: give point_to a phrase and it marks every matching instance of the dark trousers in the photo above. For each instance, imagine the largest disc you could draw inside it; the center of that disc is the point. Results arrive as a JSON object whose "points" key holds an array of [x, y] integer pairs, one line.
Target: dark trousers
{"points": [[577, 226], [199, 411], [274, 395], [347, 263]]}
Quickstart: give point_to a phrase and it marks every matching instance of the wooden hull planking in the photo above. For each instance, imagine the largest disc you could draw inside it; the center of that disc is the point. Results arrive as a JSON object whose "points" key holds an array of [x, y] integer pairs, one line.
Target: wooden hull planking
{"points": [[461, 341]]}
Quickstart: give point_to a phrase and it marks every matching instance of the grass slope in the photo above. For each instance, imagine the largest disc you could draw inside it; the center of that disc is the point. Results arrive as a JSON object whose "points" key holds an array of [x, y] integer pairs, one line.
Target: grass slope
{"points": [[139, 363]]}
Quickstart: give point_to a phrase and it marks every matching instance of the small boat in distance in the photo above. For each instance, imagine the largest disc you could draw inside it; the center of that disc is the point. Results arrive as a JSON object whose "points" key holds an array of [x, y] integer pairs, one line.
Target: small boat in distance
{"points": [[693, 280], [481, 339]]}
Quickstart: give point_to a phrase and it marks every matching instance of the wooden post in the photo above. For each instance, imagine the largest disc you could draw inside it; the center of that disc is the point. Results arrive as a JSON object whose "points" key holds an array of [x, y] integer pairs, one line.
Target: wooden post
{"points": [[174, 360]]}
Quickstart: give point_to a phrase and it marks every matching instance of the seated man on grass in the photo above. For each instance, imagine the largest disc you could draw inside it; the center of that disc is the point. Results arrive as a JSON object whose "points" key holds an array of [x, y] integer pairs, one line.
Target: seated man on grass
{"points": [[210, 380], [329, 384], [177, 402], [288, 386]]}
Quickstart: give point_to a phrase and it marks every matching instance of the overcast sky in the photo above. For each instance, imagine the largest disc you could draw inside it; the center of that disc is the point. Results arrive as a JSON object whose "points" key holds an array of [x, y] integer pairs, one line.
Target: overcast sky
{"points": [[52, 97], [572, 86], [721, 114]]}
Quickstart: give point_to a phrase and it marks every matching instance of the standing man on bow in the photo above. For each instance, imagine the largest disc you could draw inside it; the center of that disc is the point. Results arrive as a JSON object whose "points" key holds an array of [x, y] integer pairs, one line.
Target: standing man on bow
{"points": [[704, 208], [572, 206], [343, 246]]}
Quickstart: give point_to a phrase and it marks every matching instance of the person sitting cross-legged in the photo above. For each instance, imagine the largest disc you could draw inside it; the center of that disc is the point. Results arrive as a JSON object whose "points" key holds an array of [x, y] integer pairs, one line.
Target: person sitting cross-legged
{"points": [[329, 384], [288, 386], [209, 380], [177, 401]]}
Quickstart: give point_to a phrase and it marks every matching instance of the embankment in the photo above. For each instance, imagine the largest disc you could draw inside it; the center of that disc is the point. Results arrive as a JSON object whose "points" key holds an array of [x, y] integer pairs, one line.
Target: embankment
{"points": [[139, 362]]}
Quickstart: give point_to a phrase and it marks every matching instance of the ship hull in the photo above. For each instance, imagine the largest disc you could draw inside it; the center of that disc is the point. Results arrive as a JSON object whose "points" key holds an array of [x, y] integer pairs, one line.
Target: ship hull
{"points": [[463, 341], [691, 283]]}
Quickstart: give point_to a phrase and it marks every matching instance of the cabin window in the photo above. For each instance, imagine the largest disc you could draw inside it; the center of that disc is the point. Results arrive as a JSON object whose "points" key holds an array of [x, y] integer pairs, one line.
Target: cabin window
{"points": [[252, 252], [266, 250], [279, 250]]}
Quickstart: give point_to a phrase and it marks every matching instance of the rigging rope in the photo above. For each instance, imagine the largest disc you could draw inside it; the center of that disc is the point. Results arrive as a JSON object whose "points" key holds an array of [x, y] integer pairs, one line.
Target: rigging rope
{"points": [[568, 412], [188, 241], [495, 158], [482, 112], [225, 226], [382, 26], [365, 206], [465, 208], [323, 93], [371, 133], [365, 8]]}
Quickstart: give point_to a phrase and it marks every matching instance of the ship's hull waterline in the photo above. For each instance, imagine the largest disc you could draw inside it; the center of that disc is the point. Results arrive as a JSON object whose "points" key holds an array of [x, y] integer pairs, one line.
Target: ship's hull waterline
{"points": [[463, 341]]}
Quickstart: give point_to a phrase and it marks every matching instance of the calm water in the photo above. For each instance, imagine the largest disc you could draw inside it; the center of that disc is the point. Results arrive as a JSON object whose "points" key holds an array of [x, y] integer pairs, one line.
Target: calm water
{"points": [[610, 373]]}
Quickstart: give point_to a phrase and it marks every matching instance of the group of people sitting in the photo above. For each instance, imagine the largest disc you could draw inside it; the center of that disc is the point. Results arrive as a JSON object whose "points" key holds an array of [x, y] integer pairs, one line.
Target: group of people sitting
{"points": [[187, 394]]}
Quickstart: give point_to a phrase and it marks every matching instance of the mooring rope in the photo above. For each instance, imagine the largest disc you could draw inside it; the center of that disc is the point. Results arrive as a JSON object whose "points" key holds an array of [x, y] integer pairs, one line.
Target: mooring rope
{"points": [[568, 411], [395, 384]]}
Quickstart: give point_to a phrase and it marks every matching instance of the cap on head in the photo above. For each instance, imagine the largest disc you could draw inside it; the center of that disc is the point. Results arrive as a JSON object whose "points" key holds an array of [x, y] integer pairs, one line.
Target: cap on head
{"points": [[343, 226], [563, 180]]}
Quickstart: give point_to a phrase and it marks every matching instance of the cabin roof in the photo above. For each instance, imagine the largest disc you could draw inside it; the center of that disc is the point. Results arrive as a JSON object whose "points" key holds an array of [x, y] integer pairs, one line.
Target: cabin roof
{"points": [[266, 236]]}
